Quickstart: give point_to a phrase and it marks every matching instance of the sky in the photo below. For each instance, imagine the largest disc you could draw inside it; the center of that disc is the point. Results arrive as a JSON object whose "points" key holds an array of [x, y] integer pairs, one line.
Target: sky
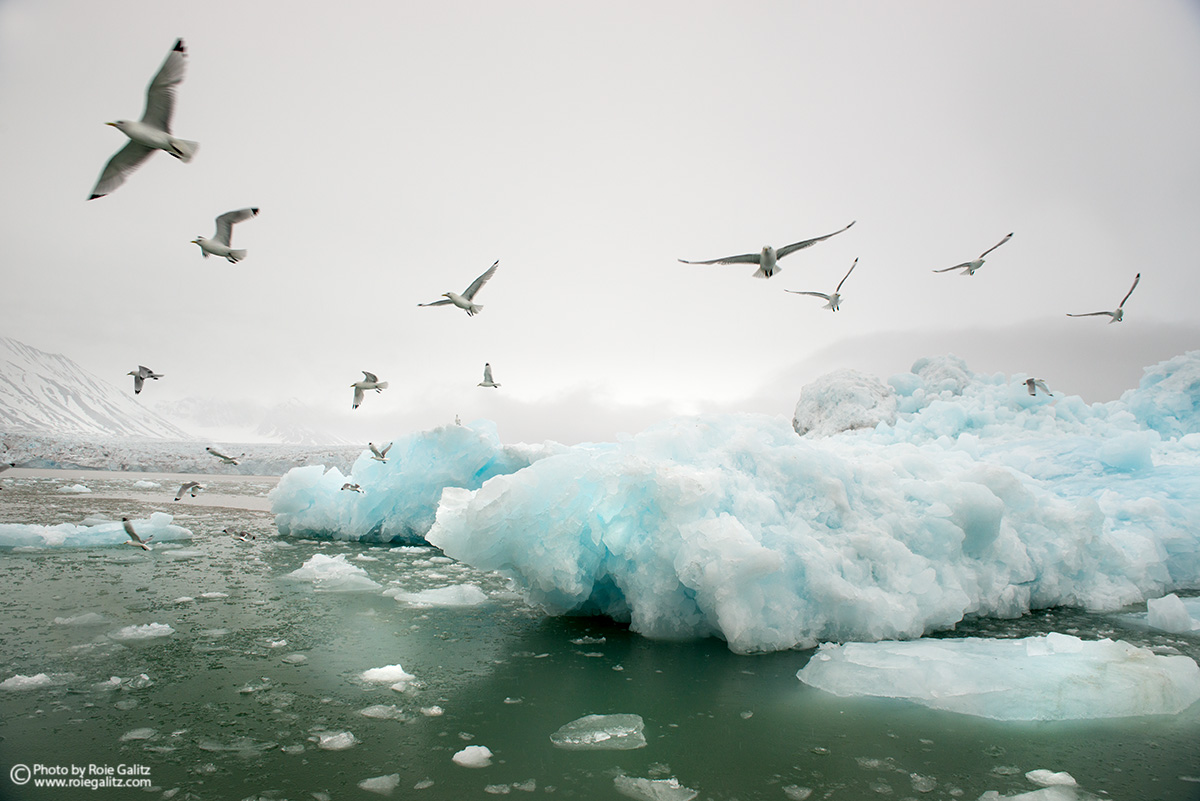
{"points": [[397, 149]]}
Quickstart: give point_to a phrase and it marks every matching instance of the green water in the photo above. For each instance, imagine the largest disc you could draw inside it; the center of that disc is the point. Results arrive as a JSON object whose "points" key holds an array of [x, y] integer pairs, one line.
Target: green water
{"points": [[237, 698]]}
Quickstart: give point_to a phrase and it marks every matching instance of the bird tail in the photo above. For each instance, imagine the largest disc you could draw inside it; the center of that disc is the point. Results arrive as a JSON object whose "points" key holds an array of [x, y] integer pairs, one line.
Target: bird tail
{"points": [[236, 255], [183, 149], [381, 385], [762, 273]]}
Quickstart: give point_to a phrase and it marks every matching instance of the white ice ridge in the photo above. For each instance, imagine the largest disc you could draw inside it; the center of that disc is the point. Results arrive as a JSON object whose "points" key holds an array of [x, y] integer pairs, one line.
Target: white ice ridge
{"points": [[399, 497], [1051, 677], [100, 534], [979, 499]]}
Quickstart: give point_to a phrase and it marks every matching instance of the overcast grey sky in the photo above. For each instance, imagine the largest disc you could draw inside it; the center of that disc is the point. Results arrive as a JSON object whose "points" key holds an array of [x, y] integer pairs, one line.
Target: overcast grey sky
{"points": [[398, 149]]}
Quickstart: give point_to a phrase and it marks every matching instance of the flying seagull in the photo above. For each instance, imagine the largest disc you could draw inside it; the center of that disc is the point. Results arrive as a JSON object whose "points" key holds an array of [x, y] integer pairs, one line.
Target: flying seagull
{"points": [[767, 259], [487, 377], [369, 382], [463, 301], [1034, 384], [1118, 313], [377, 454], [188, 487], [351, 487], [219, 244], [153, 131], [140, 376], [833, 300], [224, 459], [969, 267], [134, 539]]}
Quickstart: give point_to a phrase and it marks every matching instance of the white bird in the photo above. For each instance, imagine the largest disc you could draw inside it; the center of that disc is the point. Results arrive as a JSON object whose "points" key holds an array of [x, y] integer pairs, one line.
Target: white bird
{"points": [[134, 539], [225, 459], [351, 487], [377, 454], [767, 259], [153, 131], [140, 375], [240, 536], [1034, 384], [487, 377], [832, 300], [1118, 313], [370, 382], [457, 420], [188, 487], [219, 245], [969, 267], [463, 301]]}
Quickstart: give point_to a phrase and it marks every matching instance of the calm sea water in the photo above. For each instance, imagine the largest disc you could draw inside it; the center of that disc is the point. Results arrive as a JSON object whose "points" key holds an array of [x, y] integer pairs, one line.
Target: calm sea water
{"points": [[260, 672]]}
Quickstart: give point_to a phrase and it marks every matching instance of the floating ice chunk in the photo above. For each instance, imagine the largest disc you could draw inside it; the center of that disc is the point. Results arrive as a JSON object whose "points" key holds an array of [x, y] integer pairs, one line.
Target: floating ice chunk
{"points": [[456, 595], [843, 401], [139, 734], [143, 484], [382, 712], [1048, 778], [333, 574], [383, 785], [1055, 677], [797, 793], [84, 619], [336, 740], [74, 488], [432, 711], [473, 756], [20, 682], [148, 631], [601, 733], [1171, 613], [388, 674], [653, 789], [69, 535]]}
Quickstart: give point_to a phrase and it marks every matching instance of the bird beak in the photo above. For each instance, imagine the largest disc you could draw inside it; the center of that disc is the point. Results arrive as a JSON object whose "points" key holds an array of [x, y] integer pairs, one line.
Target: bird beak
{"points": [[113, 124]]}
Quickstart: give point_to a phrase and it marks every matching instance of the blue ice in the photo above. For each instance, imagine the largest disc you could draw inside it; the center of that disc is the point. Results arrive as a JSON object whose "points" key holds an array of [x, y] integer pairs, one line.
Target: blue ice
{"points": [[98, 534]]}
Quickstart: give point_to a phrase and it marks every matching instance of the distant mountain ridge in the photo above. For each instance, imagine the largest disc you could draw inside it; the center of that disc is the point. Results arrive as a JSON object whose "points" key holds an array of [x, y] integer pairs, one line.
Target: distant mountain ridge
{"points": [[47, 393]]}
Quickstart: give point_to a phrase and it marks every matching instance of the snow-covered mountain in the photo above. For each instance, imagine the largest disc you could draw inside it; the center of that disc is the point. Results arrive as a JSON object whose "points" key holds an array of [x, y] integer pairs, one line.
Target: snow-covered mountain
{"points": [[47, 393]]}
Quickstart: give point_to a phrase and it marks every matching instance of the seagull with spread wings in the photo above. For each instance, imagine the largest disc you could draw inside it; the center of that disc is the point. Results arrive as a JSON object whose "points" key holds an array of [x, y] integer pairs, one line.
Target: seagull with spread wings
{"points": [[219, 245], [767, 259], [487, 377], [1118, 313], [188, 488], [140, 375], [379, 454], [370, 381], [464, 301], [153, 131], [1034, 384], [134, 539], [833, 300], [224, 459], [969, 267]]}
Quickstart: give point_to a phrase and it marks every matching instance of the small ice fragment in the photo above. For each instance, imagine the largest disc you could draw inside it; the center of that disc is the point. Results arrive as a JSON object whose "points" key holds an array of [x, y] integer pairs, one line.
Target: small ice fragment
{"points": [[147, 632], [1169, 614], [424, 784], [653, 789], [19, 682], [797, 793], [622, 732], [526, 786], [473, 756], [383, 785], [456, 595], [922, 784], [214, 595], [388, 674], [295, 659], [382, 712], [85, 619], [139, 734], [498, 789], [336, 740], [432, 711], [79, 488], [1048, 778]]}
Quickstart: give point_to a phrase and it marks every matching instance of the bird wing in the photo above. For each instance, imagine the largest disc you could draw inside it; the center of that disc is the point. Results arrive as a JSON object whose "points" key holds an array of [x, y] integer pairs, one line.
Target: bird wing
{"points": [[964, 265], [993, 247], [123, 162], [792, 248], [160, 96], [358, 397], [847, 275], [374, 450], [442, 302], [225, 224], [1136, 278], [374, 379], [487, 374], [386, 448], [216, 453], [1090, 314], [745, 258], [182, 489], [478, 283], [129, 530], [137, 384], [814, 294]]}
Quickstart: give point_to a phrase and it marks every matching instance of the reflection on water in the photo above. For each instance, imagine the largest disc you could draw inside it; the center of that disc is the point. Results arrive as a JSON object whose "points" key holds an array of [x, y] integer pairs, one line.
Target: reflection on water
{"points": [[256, 689]]}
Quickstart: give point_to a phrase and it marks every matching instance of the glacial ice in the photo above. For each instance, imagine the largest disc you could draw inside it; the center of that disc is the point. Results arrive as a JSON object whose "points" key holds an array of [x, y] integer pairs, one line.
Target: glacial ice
{"points": [[454, 595], [333, 574], [148, 631], [621, 732], [473, 756], [1173, 614], [399, 497], [976, 498], [20, 682], [383, 785], [1051, 677], [653, 789], [70, 535], [388, 674]]}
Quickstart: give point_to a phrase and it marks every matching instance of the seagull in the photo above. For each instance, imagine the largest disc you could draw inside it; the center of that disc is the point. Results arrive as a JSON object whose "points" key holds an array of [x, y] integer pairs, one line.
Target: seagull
{"points": [[134, 539], [969, 267], [219, 244], [835, 298], [1034, 384], [369, 382], [457, 420], [1118, 313], [487, 377], [463, 301], [377, 454], [351, 487], [140, 376], [768, 257], [225, 459], [186, 488], [153, 132], [240, 536]]}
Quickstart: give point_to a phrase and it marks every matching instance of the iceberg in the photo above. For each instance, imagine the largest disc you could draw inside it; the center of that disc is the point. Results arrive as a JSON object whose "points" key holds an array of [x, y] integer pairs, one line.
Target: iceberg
{"points": [[399, 497], [1051, 677], [333, 574], [99, 534], [1173, 614]]}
